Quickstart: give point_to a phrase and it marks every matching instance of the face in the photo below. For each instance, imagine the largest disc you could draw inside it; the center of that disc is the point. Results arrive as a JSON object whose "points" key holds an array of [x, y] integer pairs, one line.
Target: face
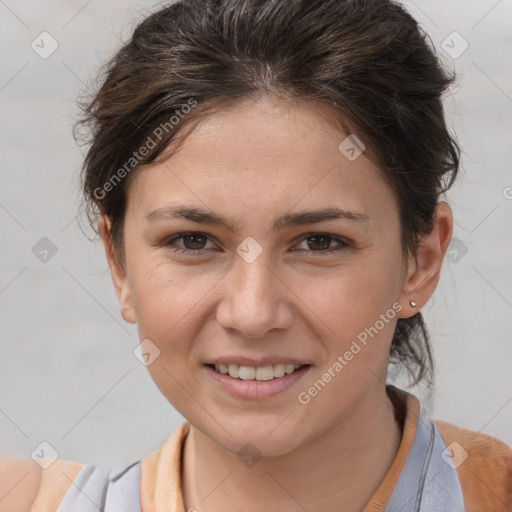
{"points": [[257, 287]]}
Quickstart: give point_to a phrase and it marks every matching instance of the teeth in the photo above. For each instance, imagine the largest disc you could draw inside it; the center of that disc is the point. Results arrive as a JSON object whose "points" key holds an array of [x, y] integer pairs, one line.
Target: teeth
{"points": [[264, 373], [234, 371], [256, 373], [247, 372], [279, 370], [289, 369]]}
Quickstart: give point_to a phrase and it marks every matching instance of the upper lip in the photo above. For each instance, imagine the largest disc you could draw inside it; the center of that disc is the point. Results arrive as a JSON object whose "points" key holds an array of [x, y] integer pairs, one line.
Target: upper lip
{"points": [[261, 361]]}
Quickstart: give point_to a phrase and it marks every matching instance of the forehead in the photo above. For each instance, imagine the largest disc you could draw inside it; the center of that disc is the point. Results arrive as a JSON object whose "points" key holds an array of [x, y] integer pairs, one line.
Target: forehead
{"points": [[263, 153]]}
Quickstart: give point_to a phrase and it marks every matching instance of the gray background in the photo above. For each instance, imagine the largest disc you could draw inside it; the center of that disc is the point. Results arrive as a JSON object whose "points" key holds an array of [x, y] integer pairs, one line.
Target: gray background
{"points": [[67, 372]]}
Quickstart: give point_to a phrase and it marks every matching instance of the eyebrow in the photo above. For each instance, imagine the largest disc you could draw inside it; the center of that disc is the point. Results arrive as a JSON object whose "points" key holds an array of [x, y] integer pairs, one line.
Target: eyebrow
{"points": [[202, 216]]}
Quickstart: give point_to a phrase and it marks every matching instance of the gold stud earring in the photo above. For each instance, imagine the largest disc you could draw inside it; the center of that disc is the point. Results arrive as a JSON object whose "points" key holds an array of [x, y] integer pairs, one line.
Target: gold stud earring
{"points": [[413, 303]]}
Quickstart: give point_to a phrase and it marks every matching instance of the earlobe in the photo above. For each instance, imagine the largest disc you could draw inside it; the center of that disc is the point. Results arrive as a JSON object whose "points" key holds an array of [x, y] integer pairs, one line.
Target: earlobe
{"points": [[118, 273], [424, 269]]}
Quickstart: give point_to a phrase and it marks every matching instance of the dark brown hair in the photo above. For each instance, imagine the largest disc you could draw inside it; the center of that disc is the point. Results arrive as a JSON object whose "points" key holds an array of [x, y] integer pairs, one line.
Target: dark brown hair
{"points": [[368, 60]]}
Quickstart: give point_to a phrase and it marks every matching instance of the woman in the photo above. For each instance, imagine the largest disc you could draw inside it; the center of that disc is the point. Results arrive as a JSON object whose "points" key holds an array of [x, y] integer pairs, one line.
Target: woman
{"points": [[266, 177]]}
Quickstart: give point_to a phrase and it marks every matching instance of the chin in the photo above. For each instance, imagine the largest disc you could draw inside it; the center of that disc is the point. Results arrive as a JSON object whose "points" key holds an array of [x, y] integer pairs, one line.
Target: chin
{"points": [[266, 437]]}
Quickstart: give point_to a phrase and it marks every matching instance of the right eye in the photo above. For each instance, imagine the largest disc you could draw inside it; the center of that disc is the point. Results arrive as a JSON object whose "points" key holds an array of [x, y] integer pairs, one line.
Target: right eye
{"points": [[193, 242]]}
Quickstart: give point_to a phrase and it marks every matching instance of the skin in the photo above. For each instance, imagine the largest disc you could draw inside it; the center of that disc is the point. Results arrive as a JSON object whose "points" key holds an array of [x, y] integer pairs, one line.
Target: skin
{"points": [[249, 163], [19, 483]]}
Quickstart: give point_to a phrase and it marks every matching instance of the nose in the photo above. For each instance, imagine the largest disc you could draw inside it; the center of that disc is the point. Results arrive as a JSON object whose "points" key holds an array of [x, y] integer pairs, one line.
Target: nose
{"points": [[255, 299]]}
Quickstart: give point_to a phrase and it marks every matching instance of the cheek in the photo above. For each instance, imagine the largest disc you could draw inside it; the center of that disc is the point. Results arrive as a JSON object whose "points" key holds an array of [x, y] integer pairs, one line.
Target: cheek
{"points": [[348, 299], [361, 318], [168, 304], [164, 294], [360, 308]]}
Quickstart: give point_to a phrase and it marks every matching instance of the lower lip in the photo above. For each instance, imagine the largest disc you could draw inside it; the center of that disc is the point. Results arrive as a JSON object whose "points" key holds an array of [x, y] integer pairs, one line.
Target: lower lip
{"points": [[254, 389]]}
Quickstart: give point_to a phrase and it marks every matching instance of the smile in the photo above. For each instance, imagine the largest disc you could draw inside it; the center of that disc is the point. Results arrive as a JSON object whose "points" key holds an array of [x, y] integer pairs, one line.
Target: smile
{"points": [[251, 379], [260, 373]]}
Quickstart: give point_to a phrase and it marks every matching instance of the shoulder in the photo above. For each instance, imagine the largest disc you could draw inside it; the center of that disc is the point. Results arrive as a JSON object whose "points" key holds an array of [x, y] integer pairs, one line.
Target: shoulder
{"points": [[27, 487], [481, 449], [483, 464], [19, 483]]}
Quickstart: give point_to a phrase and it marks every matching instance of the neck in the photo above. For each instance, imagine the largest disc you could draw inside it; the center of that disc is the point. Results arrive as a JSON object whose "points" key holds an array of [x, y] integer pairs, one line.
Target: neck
{"points": [[321, 476]]}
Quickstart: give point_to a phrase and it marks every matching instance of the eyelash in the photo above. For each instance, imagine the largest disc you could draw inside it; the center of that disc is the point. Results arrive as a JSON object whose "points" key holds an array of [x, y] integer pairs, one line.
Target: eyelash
{"points": [[343, 244]]}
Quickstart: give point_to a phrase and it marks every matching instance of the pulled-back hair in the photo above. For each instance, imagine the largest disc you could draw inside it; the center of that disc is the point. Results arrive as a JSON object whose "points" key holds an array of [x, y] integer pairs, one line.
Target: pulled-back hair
{"points": [[368, 60]]}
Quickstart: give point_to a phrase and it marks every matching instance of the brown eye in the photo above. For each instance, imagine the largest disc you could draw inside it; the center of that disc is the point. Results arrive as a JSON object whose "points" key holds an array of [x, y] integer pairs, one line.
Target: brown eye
{"points": [[194, 241], [191, 242], [320, 244]]}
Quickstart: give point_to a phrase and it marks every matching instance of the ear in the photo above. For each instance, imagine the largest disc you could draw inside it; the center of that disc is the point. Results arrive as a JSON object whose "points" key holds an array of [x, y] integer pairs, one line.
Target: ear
{"points": [[118, 273], [425, 268]]}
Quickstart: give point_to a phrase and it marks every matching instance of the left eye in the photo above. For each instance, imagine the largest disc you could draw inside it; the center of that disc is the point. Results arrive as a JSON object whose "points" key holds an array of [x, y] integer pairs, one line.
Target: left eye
{"points": [[322, 241], [194, 243]]}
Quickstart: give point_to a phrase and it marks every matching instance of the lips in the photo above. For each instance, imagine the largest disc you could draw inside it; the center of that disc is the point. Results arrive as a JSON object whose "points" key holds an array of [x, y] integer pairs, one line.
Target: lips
{"points": [[259, 380], [259, 373]]}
